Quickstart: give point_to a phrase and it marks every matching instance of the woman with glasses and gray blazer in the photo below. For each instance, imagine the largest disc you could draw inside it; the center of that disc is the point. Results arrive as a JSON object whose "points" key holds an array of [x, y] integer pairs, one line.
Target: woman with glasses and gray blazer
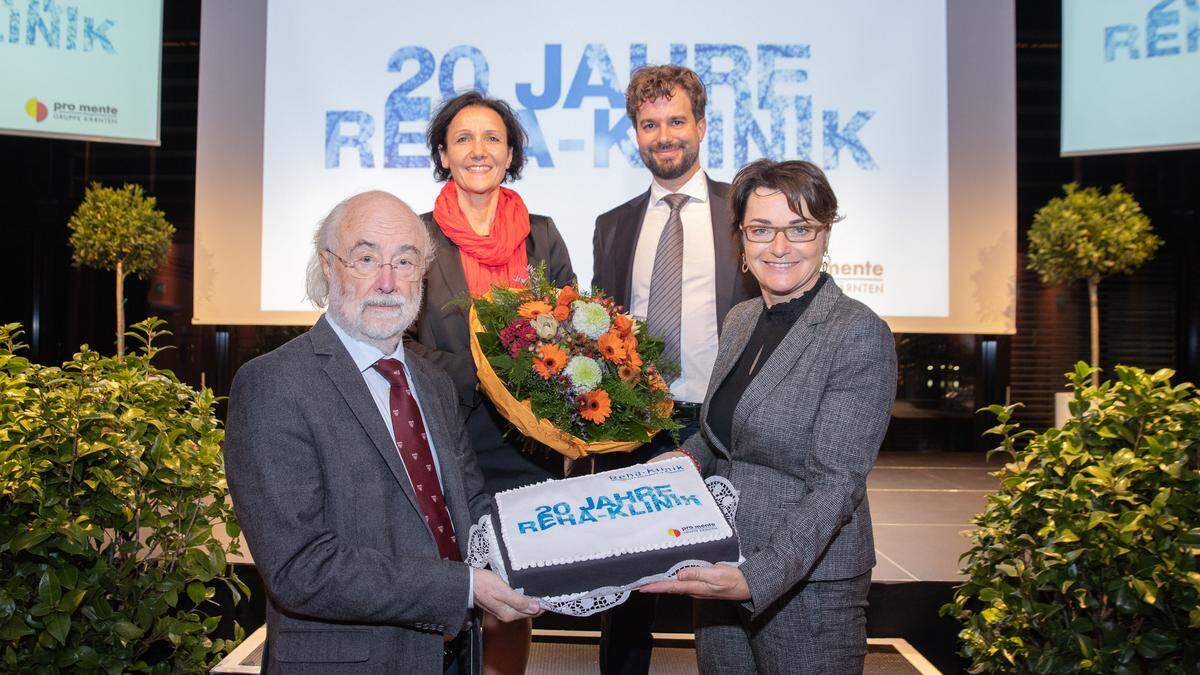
{"points": [[798, 404]]}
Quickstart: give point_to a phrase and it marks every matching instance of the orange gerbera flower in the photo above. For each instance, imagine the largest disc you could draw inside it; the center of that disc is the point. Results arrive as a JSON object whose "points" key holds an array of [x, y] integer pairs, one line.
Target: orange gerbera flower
{"points": [[595, 406], [623, 325], [551, 360], [562, 313], [627, 373], [664, 407], [632, 358], [630, 341], [532, 308], [567, 295], [611, 347]]}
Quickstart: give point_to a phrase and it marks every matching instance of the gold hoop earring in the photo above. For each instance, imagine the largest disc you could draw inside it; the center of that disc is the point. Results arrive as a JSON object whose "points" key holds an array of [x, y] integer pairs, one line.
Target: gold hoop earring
{"points": [[825, 262], [745, 268]]}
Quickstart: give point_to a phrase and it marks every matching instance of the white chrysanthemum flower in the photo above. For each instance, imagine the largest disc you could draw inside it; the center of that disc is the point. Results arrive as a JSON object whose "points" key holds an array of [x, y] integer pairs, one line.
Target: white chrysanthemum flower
{"points": [[584, 374], [591, 319]]}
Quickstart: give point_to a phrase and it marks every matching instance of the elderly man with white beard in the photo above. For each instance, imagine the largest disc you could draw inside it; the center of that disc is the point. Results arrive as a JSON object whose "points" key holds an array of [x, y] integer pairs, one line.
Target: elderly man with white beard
{"points": [[350, 471]]}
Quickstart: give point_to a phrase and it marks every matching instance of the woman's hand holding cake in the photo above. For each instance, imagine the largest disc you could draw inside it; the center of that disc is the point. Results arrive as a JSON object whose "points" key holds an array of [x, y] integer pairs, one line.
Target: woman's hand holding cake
{"points": [[719, 582]]}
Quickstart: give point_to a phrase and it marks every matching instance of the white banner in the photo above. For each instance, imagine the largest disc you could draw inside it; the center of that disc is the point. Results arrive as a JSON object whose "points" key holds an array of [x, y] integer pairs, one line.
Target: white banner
{"points": [[85, 69], [1130, 75]]}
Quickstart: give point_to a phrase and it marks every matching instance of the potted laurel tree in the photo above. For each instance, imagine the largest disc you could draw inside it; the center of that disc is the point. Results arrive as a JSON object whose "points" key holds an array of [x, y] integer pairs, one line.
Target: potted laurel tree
{"points": [[1086, 236], [111, 482], [1085, 560], [120, 230]]}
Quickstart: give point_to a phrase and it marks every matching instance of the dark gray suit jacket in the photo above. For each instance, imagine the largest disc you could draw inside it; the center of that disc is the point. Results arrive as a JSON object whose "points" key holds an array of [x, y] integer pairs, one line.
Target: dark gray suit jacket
{"points": [[804, 435], [443, 337], [353, 576], [614, 243]]}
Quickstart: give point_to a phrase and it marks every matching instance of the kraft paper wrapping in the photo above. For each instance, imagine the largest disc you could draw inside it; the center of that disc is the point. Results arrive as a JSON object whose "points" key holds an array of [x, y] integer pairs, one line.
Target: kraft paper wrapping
{"points": [[521, 415]]}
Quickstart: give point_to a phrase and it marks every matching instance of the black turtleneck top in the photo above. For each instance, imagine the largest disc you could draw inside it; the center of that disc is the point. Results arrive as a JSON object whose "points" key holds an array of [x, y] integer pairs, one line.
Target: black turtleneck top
{"points": [[773, 324]]}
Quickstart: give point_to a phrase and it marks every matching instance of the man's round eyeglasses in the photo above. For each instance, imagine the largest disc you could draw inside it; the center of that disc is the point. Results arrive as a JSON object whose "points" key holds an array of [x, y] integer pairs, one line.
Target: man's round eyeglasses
{"points": [[797, 234], [366, 265]]}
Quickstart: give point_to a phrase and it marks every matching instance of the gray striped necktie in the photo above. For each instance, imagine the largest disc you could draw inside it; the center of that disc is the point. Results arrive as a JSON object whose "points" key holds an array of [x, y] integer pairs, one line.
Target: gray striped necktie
{"points": [[663, 314]]}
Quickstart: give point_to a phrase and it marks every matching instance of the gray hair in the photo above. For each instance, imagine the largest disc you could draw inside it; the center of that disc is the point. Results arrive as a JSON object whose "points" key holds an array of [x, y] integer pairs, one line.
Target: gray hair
{"points": [[316, 285]]}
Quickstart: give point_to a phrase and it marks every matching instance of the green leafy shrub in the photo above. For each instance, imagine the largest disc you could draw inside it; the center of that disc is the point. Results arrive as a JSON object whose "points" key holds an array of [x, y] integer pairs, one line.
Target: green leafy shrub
{"points": [[120, 230], [111, 481], [1085, 560]]}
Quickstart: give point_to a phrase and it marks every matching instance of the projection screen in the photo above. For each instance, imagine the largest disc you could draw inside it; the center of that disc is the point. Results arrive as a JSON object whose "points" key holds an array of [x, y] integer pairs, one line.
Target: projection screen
{"points": [[909, 108]]}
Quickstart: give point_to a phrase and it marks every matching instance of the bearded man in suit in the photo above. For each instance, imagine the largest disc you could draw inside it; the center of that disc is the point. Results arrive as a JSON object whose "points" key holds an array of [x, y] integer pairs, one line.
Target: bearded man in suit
{"points": [[350, 471], [669, 255]]}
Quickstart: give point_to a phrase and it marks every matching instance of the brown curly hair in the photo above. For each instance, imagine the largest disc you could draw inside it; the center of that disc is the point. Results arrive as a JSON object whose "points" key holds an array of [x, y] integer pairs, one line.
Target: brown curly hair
{"points": [[650, 83]]}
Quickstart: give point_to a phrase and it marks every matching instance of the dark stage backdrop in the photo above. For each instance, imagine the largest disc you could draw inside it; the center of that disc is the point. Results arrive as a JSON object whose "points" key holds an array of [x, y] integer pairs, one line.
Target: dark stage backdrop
{"points": [[1151, 319]]}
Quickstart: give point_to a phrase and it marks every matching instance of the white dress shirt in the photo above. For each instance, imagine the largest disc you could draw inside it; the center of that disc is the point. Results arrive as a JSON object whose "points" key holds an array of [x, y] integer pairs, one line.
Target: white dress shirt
{"points": [[365, 355], [698, 332]]}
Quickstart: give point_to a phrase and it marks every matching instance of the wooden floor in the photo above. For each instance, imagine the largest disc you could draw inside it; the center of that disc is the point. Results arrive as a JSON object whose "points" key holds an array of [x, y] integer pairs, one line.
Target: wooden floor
{"points": [[555, 658]]}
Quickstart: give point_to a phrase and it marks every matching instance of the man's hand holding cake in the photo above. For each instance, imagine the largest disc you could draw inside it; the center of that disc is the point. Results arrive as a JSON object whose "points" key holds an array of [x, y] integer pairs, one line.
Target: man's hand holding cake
{"points": [[495, 597]]}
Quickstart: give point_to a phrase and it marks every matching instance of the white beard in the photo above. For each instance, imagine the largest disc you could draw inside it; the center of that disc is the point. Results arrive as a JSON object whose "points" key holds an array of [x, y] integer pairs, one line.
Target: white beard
{"points": [[351, 315]]}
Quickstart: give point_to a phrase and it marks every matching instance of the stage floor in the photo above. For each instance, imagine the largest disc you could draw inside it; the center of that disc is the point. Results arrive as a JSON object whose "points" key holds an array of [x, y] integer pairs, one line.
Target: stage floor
{"points": [[921, 504]]}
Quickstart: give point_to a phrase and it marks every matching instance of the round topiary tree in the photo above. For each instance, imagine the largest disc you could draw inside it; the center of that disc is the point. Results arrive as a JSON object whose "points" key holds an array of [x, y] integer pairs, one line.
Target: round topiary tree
{"points": [[122, 231], [1086, 236], [1085, 559]]}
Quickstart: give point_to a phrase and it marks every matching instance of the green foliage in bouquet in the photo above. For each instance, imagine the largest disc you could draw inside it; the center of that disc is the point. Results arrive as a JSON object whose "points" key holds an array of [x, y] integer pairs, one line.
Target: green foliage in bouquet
{"points": [[590, 370], [111, 481], [1086, 558]]}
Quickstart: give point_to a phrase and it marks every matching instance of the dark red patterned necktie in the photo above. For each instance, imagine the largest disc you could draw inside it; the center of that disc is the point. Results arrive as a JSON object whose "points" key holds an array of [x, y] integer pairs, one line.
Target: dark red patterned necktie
{"points": [[413, 446]]}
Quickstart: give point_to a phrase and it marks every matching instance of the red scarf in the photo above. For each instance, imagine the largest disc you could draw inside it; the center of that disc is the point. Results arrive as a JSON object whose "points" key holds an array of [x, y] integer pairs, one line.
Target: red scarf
{"points": [[495, 258]]}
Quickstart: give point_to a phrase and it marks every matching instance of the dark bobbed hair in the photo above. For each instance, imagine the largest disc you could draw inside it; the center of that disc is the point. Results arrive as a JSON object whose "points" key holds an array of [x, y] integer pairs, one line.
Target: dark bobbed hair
{"points": [[797, 180], [435, 133], [650, 83]]}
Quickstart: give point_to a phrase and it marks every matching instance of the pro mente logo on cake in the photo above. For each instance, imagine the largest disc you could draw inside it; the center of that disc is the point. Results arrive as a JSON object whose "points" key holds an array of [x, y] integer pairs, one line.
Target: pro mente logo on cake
{"points": [[36, 109], [676, 533]]}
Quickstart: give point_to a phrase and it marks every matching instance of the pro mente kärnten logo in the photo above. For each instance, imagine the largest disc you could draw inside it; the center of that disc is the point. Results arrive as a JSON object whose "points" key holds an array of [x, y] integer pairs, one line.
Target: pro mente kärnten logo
{"points": [[36, 109]]}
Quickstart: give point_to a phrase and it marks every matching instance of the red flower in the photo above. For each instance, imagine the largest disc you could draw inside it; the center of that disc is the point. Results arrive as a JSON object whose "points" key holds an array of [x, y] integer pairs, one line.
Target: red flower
{"points": [[517, 335]]}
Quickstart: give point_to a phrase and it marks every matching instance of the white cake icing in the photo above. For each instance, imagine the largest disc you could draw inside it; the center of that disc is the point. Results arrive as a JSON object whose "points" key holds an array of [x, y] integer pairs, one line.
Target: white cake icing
{"points": [[642, 508]]}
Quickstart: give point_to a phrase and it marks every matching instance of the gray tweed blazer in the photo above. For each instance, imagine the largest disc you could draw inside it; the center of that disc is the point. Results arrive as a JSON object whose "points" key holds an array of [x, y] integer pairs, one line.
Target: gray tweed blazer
{"points": [[805, 434], [353, 577]]}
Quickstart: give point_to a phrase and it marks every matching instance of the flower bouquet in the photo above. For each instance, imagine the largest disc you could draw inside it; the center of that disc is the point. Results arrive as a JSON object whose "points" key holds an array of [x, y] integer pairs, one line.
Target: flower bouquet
{"points": [[568, 369]]}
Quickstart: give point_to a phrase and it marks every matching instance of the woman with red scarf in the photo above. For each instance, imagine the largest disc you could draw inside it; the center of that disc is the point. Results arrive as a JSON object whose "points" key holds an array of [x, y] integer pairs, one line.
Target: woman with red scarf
{"points": [[484, 236]]}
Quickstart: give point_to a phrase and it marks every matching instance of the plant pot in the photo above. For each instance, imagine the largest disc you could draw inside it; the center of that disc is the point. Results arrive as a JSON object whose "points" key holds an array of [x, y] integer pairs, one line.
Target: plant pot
{"points": [[1062, 410]]}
